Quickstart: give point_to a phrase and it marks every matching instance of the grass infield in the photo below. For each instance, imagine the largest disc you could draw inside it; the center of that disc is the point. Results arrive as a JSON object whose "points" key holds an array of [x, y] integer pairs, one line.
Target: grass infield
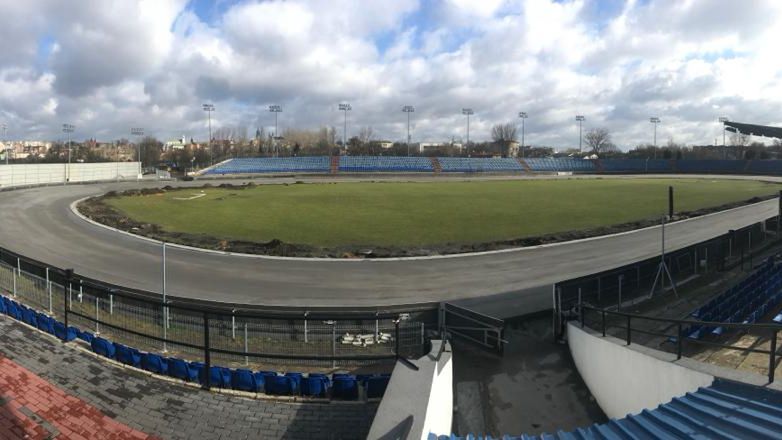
{"points": [[422, 214]]}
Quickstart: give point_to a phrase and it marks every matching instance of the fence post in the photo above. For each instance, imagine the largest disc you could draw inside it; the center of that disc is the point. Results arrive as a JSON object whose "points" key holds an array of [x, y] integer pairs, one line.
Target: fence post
{"points": [[233, 324], [772, 361], [246, 345], [207, 359], [599, 290], [13, 271], [334, 345], [49, 291], [111, 303], [695, 261], [377, 328], [679, 341], [619, 298], [67, 299], [580, 308], [604, 322], [628, 329], [305, 327], [97, 314]]}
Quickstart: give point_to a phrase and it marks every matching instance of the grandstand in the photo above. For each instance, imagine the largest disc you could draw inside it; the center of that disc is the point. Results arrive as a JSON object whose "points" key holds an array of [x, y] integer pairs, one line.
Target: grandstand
{"points": [[364, 164], [257, 165], [561, 164], [636, 165], [478, 165]]}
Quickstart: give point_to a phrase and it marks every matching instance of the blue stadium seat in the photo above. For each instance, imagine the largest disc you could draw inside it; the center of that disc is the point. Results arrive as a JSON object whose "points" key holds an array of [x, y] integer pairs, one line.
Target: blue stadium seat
{"points": [[296, 379], [245, 380], [182, 370], [344, 388], [478, 165], [46, 324], [3, 306], [314, 386], [279, 385], [153, 363], [219, 377], [103, 347], [376, 386], [381, 164], [13, 310], [127, 355], [322, 376], [86, 336], [259, 165], [29, 317], [61, 332]]}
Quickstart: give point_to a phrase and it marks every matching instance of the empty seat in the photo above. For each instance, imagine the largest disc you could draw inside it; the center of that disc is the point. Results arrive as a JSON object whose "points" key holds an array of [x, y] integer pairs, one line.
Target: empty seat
{"points": [[279, 385], [3, 307], [345, 388], [13, 310], [103, 347], [68, 334], [245, 380], [218, 377], [153, 363], [297, 377], [46, 324], [182, 370], [85, 336], [376, 386], [127, 355], [29, 317], [317, 386]]}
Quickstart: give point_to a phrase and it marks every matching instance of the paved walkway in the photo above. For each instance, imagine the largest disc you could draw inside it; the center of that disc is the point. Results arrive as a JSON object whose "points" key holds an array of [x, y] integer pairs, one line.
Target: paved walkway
{"points": [[48, 388]]}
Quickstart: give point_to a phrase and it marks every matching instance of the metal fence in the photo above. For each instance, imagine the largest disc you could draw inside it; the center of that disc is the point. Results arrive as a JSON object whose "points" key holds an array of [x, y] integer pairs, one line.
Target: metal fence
{"points": [[213, 334], [632, 283]]}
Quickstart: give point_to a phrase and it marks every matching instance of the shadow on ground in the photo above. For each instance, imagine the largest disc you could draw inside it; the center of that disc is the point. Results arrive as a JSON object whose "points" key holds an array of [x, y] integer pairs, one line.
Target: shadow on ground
{"points": [[533, 388]]}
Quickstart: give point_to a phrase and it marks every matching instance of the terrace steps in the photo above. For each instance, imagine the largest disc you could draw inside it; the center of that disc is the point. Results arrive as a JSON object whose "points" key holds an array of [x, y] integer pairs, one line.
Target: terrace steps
{"points": [[524, 165], [334, 169], [436, 166]]}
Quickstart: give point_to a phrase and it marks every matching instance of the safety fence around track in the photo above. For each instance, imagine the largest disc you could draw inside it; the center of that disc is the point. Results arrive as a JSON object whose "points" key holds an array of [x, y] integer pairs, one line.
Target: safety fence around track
{"points": [[235, 337], [639, 281]]}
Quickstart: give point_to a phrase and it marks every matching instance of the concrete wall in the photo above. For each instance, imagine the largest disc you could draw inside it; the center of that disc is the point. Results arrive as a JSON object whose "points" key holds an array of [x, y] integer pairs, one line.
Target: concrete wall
{"points": [[417, 402], [53, 173], [627, 379]]}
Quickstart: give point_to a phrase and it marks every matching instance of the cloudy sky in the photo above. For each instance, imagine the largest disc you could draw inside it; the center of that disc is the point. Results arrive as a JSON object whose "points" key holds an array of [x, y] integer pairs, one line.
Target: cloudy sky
{"points": [[107, 66]]}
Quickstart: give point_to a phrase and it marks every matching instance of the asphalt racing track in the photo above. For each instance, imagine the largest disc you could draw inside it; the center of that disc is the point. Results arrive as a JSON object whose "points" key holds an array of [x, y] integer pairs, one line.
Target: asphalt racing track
{"points": [[39, 223]]}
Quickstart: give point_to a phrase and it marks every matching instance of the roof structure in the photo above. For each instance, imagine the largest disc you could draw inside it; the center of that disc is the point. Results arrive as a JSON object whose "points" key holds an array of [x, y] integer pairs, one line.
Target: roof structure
{"points": [[753, 129]]}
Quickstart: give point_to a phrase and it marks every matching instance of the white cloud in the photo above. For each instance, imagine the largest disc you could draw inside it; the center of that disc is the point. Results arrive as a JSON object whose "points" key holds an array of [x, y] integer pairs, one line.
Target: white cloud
{"points": [[107, 66]]}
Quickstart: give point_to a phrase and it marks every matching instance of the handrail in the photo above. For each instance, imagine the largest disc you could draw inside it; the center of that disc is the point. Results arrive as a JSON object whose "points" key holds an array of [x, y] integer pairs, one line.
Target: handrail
{"points": [[587, 306]]}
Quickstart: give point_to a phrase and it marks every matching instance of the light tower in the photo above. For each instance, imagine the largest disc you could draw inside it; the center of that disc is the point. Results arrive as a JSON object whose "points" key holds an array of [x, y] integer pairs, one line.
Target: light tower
{"points": [[523, 116], [345, 107], [68, 128], [467, 112], [723, 120], [580, 119], [408, 109], [655, 120], [209, 108], [275, 109]]}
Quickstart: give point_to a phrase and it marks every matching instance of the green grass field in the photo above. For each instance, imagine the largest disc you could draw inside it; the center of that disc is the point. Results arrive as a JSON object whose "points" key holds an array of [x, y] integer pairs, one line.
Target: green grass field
{"points": [[421, 214]]}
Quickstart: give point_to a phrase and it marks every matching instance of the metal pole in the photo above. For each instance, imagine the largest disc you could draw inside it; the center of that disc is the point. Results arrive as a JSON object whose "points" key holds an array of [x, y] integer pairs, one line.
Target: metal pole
{"points": [[211, 149], [468, 129], [305, 327], [207, 358], [246, 350], [233, 324], [670, 202], [49, 290], [334, 344], [408, 133], [345, 131], [97, 314], [679, 342], [165, 309], [619, 299], [579, 136], [772, 356], [628, 329]]}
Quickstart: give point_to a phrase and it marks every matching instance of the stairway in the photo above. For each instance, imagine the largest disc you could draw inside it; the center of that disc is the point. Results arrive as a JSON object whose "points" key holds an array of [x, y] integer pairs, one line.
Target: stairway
{"points": [[334, 164], [524, 165], [599, 166], [436, 166]]}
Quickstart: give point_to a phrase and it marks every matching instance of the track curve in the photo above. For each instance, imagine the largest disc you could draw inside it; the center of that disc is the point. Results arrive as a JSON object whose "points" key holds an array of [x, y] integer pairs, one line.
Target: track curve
{"points": [[39, 223]]}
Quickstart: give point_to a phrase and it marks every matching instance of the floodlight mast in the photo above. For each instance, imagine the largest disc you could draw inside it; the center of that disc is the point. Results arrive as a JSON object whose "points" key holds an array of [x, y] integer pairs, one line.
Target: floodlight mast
{"points": [[209, 108], [523, 116], [723, 120], [580, 119], [275, 109], [345, 107], [467, 112], [408, 109], [138, 131], [655, 120], [68, 128]]}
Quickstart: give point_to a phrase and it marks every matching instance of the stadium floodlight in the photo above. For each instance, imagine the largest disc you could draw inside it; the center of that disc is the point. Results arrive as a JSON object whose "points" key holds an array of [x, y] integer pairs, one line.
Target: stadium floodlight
{"points": [[655, 120], [209, 108], [345, 107], [723, 120], [5, 127], [275, 109], [523, 116], [68, 128], [408, 109], [580, 119], [138, 131], [467, 112]]}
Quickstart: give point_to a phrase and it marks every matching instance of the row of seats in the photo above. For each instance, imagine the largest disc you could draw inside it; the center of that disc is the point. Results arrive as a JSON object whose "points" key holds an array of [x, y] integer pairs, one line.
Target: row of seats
{"points": [[713, 166], [636, 165], [384, 163], [477, 165], [746, 302], [337, 386], [256, 165], [554, 164]]}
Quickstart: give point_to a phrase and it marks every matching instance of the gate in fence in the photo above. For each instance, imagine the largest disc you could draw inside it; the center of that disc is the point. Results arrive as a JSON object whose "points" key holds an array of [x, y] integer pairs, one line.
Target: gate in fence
{"points": [[482, 330]]}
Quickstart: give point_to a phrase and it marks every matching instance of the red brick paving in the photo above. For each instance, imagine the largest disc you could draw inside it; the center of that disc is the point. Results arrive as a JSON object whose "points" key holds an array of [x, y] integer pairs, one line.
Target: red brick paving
{"points": [[31, 408]]}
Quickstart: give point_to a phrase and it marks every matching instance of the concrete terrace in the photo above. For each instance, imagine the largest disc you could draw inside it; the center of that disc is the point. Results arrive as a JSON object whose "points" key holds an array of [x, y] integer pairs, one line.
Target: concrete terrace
{"points": [[38, 368]]}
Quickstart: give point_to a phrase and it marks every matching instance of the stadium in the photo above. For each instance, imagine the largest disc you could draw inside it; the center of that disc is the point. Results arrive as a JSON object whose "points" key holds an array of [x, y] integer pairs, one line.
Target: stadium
{"points": [[404, 220]]}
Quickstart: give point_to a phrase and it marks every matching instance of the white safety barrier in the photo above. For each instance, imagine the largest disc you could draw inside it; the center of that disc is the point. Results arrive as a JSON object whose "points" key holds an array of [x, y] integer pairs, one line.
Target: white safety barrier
{"points": [[54, 173]]}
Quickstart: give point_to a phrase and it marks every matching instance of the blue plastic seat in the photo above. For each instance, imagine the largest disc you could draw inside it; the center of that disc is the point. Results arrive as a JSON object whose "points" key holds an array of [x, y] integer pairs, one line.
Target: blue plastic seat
{"points": [[61, 332], [103, 347], [219, 377], [279, 385], [46, 324], [182, 370], [345, 388], [322, 376], [127, 355], [13, 310], [376, 386], [314, 386], [245, 380], [297, 377], [3, 306], [86, 336], [30, 317], [153, 363]]}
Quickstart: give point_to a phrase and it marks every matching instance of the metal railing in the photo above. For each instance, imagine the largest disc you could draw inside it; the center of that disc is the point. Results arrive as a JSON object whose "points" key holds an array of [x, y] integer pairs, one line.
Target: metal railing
{"points": [[209, 332], [680, 337]]}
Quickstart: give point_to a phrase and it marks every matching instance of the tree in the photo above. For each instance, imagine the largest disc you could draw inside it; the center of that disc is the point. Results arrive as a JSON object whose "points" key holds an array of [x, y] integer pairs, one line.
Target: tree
{"points": [[599, 140], [150, 151], [504, 135]]}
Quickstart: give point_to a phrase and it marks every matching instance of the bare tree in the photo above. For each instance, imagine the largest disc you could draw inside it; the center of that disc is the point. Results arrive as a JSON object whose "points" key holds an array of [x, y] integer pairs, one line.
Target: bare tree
{"points": [[366, 135], [599, 140], [504, 135]]}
